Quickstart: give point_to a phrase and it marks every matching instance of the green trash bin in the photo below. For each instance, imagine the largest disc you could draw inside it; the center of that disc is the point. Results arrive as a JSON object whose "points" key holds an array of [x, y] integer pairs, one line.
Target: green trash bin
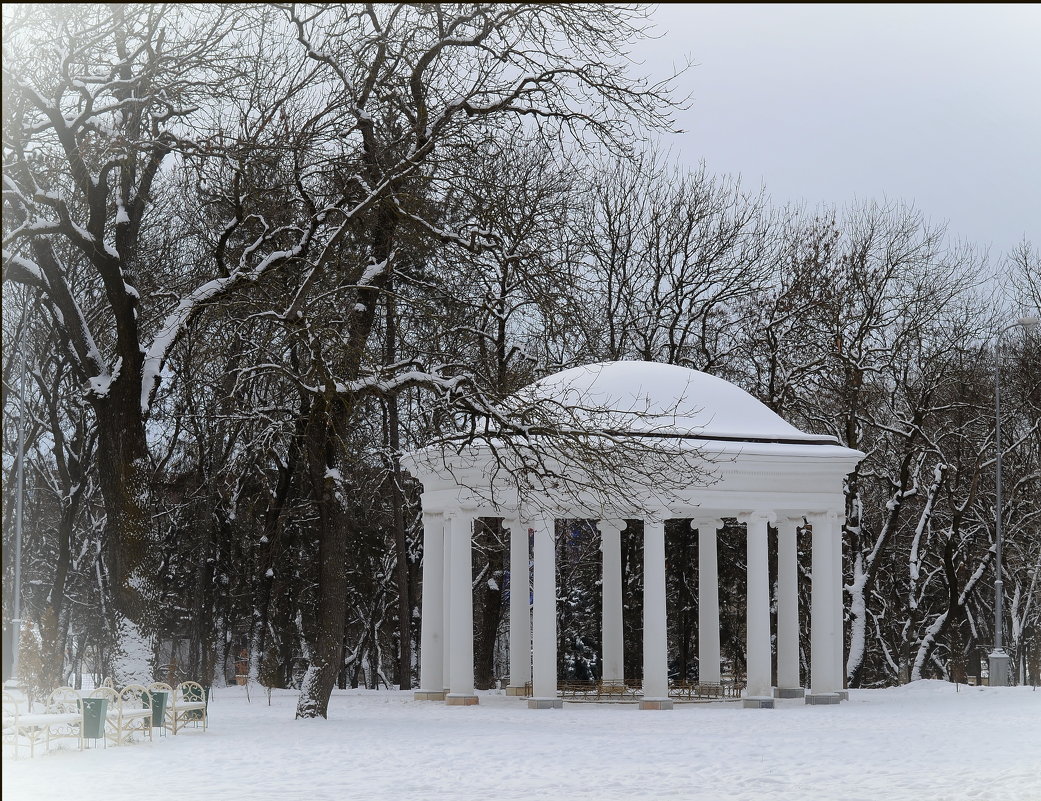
{"points": [[94, 711], [159, 701]]}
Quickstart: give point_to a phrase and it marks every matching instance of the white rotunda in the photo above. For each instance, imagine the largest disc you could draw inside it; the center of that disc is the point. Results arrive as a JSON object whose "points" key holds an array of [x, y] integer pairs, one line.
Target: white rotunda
{"points": [[683, 444]]}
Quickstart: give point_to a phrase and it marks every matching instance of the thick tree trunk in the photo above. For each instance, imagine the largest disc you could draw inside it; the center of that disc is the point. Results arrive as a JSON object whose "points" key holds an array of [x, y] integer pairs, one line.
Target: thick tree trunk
{"points": [[328, 415], [270, 541], [54, 622], [397, 504], [321, 674], [123, 472]]}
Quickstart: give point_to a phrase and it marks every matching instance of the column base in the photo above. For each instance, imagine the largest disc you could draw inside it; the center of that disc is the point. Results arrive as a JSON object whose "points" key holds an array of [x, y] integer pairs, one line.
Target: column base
{"points": [[545, 703], [430, 695], [816, 699], [516, 691], [656, 703], [789, 692], [843, 694], [456, 699], [757, 702]]}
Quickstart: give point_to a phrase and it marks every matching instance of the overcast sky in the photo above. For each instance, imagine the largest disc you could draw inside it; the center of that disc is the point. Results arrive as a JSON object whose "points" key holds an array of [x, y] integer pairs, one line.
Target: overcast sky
{"points": [[938, 105]]}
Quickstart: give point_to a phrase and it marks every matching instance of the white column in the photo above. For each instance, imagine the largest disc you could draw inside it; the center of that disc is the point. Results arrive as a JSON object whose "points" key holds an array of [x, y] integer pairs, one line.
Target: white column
{"points": [[461, 679], [611, 548], [520, 606], [708, 602], [655, 646], [788, 604], [838, 641], [757, 626], [432, 631], [446, 535], [544, 628], [822, 617]]}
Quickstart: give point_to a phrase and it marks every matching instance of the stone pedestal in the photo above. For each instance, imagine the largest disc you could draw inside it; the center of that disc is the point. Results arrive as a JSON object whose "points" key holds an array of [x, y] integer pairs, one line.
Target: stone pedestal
{"points": [[454, 699], [656, 703], [516, 691], [816, 699], [758, 702], [997, 663], [430, 695], [545, 703], [789, 692]]}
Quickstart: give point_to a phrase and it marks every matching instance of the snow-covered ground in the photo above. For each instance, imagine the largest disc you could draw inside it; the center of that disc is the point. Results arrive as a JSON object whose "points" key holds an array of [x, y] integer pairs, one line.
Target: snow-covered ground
{"points": [[924, 741]]}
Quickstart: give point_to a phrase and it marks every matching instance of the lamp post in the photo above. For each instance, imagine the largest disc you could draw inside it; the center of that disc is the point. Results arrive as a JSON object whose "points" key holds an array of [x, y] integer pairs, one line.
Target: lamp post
{"points": [[16, 619], [998, 659]]}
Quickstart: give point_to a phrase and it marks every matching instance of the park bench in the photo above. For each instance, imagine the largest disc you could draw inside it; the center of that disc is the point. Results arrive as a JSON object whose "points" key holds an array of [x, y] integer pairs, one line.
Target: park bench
{"points": [[187, 705], [595, 690], [576, 688], [129, 711], [615, 691], [599, 690], [61, 717], [696, 690]]}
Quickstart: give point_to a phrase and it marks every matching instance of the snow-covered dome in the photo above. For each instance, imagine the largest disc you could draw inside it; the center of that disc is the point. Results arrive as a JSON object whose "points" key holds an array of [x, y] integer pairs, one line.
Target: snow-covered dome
{"points": [[662, 399]]}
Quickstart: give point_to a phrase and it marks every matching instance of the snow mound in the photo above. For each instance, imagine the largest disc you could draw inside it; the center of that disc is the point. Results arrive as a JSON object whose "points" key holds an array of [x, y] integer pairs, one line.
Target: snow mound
{"points": [[663, 399]]}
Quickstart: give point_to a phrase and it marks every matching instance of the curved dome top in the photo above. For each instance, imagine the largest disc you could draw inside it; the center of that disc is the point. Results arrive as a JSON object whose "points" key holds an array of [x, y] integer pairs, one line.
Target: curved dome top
{"points": [[664, 399]]}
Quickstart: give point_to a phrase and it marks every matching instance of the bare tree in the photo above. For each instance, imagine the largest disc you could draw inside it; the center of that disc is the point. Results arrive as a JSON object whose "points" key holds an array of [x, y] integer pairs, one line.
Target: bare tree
{"points": [[97, 98], [673, 258]]}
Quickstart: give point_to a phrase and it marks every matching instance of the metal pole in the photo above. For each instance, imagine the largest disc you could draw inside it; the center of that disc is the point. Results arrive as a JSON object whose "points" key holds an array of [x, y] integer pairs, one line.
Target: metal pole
{"points": [[998, 660], [16, 620], [999, 596]]}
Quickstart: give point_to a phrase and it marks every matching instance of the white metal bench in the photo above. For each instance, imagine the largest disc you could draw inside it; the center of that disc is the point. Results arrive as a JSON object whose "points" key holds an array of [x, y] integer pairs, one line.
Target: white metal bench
{"points": [[62, 717], [135, 711], [187, 705], [128, 711]]}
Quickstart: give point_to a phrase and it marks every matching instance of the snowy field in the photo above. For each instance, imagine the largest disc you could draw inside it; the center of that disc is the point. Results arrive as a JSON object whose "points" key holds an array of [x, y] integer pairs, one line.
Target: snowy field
{"points": [[921, 742]]}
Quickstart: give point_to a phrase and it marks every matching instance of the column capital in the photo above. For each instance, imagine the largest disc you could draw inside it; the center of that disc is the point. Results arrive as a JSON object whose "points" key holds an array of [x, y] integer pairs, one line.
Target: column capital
{"points": [[612, 523], [468, 511], [831, 518], [511, 523], [712, 523], [757, 514], [792, 517]]}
